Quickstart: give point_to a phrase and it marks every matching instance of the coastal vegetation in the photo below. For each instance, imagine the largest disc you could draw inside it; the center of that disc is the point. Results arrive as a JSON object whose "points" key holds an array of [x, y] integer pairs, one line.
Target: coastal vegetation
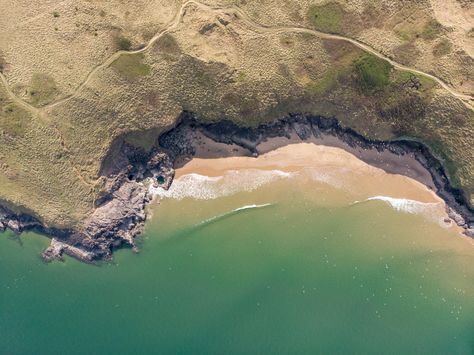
{"points": [[62, 106], [372, 73], [131, 66], [13, 121], [122, 43], [327, 17], [42, 89], [442, 48]]}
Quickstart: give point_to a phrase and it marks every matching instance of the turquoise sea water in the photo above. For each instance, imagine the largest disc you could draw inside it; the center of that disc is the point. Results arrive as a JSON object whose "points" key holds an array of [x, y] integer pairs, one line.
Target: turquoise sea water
{"points": [[295, 277]]}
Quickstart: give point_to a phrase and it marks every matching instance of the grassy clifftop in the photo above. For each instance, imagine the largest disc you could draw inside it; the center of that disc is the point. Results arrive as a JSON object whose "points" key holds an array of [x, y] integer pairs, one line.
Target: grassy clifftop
{"points": [[217, 65]]}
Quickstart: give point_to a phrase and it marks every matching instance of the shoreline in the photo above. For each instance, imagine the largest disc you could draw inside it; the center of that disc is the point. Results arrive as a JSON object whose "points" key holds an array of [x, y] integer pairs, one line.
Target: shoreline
{"points": [[404, 157], [120, 212], [331, 166], [313, 169]]}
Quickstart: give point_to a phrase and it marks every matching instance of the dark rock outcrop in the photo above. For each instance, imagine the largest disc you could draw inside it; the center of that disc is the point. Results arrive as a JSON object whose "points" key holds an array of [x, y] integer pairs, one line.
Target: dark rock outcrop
{"points": [[120, 213], [178, 143]]}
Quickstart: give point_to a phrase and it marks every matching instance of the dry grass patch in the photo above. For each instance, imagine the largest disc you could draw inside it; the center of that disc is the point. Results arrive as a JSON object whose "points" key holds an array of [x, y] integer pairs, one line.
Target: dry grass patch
{"points": [[411, 29], [407, 53], [442, 48], [167, 47], [42, 89], [131, 66], [431, 30], [13, 121], [3, 62]]}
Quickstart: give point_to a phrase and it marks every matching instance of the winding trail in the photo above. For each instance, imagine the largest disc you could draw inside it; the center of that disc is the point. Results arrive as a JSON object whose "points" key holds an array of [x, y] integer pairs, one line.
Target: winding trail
{"points": [[467, 100]]}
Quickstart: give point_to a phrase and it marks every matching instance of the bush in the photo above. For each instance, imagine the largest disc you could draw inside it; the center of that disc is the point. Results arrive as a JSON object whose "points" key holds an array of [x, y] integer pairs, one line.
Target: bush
{"points": [[123, 44]]}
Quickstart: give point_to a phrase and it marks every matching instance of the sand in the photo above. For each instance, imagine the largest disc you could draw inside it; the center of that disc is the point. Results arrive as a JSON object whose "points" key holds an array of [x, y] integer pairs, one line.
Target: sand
{"points": [[334, 167], [295, 157]]}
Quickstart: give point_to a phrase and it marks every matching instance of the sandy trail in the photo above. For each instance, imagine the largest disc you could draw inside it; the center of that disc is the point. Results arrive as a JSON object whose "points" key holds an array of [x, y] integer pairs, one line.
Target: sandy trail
{"points": [[466, 99]]}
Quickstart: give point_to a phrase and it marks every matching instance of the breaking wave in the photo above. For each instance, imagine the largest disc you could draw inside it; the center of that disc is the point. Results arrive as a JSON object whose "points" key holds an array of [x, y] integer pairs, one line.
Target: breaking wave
{"points": [[433, 211], [406, 205], [202, 187], [230, 213]]}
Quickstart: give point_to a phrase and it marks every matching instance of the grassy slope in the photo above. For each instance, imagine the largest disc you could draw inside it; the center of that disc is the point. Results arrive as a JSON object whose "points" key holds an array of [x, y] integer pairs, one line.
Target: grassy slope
{"points": [[53, 160], [36, 172], [410, 30]]}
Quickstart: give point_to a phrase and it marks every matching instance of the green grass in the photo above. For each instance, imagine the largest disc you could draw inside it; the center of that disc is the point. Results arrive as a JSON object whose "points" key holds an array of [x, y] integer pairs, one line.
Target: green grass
{"points": [[372, 73], [131, 66], [42, 89], [123, 44], [326, 18], [342, 57], [329, 80], [431, 30], [241, 76]]}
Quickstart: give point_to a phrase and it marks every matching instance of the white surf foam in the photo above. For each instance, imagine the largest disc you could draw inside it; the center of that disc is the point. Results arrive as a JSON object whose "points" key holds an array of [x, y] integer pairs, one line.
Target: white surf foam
{"points": [[237, 210], [333, 177], [406, 205], [249, 207], [433, 211], [201, 187]]}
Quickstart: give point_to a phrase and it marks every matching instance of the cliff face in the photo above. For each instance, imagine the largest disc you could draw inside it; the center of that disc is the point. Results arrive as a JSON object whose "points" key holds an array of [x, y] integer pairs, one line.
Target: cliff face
{"points": [[120, 212], [63, 110]]}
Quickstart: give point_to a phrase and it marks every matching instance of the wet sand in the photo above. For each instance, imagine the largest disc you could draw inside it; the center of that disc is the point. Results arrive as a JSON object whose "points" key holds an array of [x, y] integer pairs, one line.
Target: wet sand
{"points": [[333, 166], [389, 162], [328, 160]]}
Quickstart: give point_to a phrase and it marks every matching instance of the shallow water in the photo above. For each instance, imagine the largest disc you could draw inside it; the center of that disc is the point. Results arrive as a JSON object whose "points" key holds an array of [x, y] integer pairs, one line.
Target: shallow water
{"points": [[300, 270]]}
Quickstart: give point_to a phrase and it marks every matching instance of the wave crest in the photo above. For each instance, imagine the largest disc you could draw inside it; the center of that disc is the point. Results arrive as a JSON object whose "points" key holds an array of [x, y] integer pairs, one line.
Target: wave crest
{"points": [[433, 211], [230, 213], [406, 205]]}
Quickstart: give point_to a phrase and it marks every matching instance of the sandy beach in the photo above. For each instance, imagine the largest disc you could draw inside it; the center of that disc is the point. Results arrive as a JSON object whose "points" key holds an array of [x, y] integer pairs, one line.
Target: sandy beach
{"points": [[366, 178], [326, 165]]}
